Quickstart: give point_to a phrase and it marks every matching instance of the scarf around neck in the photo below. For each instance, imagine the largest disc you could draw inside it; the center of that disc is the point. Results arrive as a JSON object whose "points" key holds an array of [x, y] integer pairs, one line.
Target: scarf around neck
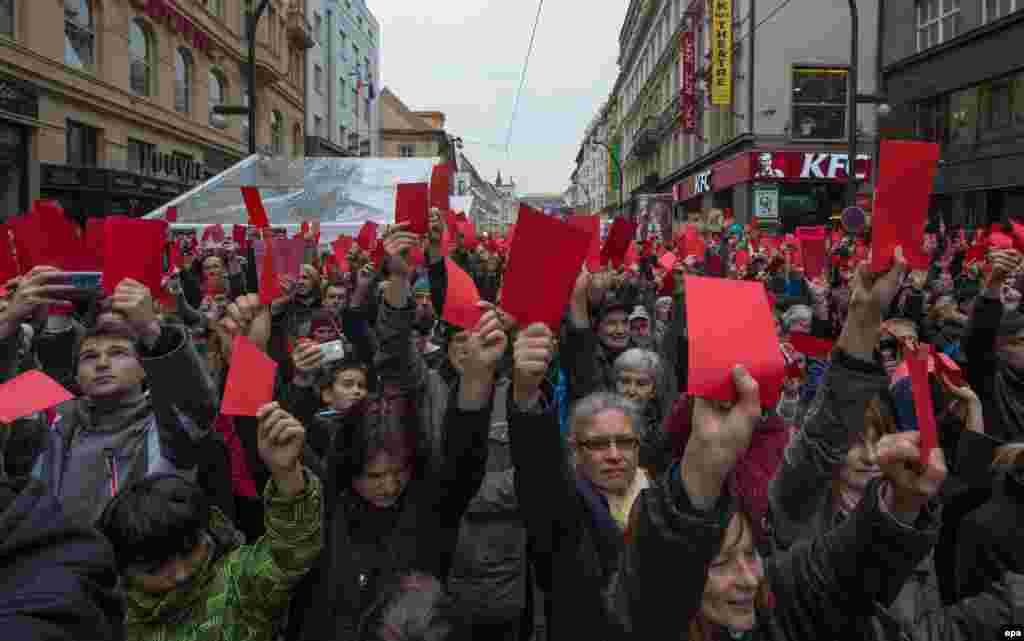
{"points": [[113, 415], [1008, 394]]}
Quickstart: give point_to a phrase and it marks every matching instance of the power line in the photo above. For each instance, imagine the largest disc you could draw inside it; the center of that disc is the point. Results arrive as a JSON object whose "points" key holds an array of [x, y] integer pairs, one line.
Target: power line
{"points": [[771, 14], [522, 79]]}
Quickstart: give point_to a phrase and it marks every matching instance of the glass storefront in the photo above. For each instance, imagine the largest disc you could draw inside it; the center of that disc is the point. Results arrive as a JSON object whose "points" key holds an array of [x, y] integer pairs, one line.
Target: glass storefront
{"points": [[808, 204]]}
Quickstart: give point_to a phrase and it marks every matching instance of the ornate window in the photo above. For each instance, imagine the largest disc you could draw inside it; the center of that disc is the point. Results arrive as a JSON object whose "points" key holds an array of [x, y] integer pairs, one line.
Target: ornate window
{"points": [[183, 81], [245, 118], [276, 133], [79, 34], [297, 142], [140, 48], [218, 92], [937, 22]]}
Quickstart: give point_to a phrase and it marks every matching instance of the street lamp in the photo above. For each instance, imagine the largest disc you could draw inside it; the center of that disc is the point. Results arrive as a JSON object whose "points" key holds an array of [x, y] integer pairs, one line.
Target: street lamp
{"points": [[250, 109], [852, 100], [622, 172]]}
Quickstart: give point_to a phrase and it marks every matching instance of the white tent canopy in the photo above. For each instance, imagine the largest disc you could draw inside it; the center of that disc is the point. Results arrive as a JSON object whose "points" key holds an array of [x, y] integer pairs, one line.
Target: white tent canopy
{"points": [[341, 193]]}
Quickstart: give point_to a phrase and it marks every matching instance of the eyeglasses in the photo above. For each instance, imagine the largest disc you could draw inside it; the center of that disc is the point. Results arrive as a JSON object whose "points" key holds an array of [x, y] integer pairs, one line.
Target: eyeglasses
{"points": [[603, 444]]}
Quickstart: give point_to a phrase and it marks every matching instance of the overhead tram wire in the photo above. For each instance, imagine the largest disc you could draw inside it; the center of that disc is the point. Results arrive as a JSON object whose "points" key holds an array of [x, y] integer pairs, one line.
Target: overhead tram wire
{"points": [[522, 79]]}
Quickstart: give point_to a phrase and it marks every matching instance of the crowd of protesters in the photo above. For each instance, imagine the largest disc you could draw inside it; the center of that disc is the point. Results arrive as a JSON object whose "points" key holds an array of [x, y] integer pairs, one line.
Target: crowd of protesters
{"points": [[508, 483]]}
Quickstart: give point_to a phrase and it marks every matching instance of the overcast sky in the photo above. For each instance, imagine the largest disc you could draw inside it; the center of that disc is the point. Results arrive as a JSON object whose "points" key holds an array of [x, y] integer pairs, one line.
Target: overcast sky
{"points": [[464, 58]]}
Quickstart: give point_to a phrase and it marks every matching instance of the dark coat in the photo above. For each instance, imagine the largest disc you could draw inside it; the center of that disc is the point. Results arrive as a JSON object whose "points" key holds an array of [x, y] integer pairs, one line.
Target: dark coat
{"points": [[989, 539], [57, 578], [831, 588], [574, 541], [364, 547]]}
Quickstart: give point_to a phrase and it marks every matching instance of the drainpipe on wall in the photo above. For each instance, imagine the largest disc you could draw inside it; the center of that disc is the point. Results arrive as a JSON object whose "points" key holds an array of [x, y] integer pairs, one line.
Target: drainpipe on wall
{"points": [[751, 116]]}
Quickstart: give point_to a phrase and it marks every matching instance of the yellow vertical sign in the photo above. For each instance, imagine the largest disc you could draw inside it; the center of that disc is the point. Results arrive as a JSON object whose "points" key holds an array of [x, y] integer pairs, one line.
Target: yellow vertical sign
{"points": [[721, 52]]}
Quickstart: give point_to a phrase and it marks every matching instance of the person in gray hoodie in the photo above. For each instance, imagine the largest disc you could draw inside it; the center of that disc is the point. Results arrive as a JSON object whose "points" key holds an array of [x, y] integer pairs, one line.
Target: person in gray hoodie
{"points": [[146, 399]]}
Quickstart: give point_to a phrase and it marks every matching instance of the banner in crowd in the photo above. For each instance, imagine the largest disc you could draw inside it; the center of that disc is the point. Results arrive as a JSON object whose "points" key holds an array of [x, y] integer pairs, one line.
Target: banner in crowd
{"points": [[721, 53], [347, 191]]}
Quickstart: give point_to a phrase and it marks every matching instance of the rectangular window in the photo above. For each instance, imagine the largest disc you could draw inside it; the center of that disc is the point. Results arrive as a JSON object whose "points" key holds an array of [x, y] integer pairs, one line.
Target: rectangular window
{"points": [[7, 18], [933, 120], [366, 111], [819, 103], [407, 151], [81, 144], [963, 117], [344, 91], [318, 79], [995, 105], [992, 10], [216, 7], [937, 22], [318, 126], [140, 156], [318, 25], [341, 135]]}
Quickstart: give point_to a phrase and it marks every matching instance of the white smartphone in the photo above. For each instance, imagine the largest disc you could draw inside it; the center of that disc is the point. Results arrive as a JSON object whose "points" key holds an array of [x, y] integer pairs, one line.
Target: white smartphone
{"points": [[332, 351]]}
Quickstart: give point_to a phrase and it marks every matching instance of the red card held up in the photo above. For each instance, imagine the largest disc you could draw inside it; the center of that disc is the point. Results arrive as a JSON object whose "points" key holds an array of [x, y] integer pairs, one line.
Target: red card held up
{"points": [[469, 239], [917, 364], [341, 245], [440, 188], [538, 290], [269, 283], [906, 176], [667, 261], [742, 259], [730, 323], [617, 244], [30, 392], [412, 205], [948, 367], [461, 303], [139, 252], [250, 383], [254, 205], [367, 237], [999, 241], [592, 226], [811, 345], [814, 256], [1018, 236]]}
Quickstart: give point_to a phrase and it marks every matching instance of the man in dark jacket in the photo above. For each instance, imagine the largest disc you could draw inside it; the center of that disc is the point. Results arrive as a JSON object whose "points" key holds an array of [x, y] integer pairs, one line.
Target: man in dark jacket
{"points": [[117, 431], [57, 578]]}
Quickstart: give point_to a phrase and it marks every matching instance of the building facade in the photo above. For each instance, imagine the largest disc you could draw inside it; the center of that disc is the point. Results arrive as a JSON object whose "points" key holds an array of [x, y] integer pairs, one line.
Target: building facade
{"points": [[589, 183], [405, 133], [954, 75], [117, 116], [710, 129], [343, 67]]}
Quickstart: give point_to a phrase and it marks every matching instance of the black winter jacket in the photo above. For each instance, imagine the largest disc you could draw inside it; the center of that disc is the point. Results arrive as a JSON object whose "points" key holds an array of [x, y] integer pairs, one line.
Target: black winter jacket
{"points": [[57, 579]]}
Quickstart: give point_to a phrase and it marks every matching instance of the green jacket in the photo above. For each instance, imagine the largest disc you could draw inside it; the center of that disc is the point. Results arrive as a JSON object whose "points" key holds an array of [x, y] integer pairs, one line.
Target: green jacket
{"points": [[243, 591]]}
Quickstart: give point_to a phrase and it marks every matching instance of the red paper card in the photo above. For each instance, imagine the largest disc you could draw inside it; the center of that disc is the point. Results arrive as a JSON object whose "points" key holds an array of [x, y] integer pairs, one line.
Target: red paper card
{"points": [[367, 238], [693, 243], [341, 245], [30, 392], [730, 323], [1018, 236], [742, 259], [213, 234], [906, 176], [412, 205], [949, 368], [617, 244], [999, 241], [137, 252], [917, 364], [45, 236], [269, 284], [592, 226], [813, 254], [810, 233], [667, 261], [289, 255], [254, 205], [538, 290], [440, 188], [461, 303], [250, 383], [469, 239], [811, 345]]}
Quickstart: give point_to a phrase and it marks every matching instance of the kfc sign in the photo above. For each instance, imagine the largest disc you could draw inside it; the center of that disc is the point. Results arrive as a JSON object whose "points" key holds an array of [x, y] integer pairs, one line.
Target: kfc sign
{"points": [[807, 165]]}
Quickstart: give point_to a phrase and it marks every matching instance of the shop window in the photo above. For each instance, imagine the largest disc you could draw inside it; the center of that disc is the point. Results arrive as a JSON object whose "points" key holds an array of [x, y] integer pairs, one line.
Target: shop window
{"points": [[963, 117], [79, 34], [183, 67], [7, 18], [407, 151], [937, 22], [995, 9], [218, 92], [276, 133], [140, 156], [81, 144], [932, 120], [995, 105], [819, 103], [141, 51]]}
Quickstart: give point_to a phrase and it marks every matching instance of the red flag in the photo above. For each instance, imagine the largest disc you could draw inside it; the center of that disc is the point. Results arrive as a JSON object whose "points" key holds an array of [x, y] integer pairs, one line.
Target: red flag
{"points": [[270, 286], [254, 205]]}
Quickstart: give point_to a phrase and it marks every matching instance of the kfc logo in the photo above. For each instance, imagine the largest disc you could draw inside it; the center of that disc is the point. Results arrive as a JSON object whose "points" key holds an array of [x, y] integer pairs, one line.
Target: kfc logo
{"points": [[828, 166], [766, 166]]}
